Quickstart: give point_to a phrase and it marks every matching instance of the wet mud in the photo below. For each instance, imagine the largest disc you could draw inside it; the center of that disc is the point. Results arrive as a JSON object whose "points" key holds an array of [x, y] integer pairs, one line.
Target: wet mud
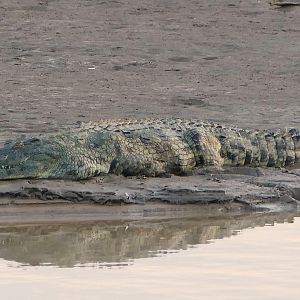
{"points": [[234, 189]]}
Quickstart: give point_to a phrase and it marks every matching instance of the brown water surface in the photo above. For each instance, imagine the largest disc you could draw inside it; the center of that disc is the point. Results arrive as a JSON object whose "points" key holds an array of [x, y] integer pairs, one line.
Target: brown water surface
{"points": [[241, 257]]}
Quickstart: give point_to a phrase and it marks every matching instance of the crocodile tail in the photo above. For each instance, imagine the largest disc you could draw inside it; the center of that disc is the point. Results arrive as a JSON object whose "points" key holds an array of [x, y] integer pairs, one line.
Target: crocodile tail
{"points": [[259, 147], [276, 149]]}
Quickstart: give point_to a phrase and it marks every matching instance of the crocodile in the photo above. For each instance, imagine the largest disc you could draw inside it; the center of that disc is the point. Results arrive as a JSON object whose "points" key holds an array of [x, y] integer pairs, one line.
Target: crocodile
{"points": [[149, 147]]}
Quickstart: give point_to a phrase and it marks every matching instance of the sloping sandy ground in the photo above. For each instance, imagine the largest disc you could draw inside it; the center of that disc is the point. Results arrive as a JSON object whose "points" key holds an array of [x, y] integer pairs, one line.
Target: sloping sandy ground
{"points": [[234, 62], [229, 61]]}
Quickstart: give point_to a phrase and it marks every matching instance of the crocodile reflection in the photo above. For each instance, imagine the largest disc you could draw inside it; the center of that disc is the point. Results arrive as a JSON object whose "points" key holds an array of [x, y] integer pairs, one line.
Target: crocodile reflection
{"points": [[109, 243]]}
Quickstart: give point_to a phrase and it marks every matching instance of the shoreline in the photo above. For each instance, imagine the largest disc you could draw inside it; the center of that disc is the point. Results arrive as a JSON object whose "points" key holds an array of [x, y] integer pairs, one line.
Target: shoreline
{"points": [[232, 190]]}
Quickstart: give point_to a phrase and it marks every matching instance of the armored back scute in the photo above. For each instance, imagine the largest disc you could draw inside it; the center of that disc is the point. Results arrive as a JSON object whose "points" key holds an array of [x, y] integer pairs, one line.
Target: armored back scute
{"points": [[295, 134]]}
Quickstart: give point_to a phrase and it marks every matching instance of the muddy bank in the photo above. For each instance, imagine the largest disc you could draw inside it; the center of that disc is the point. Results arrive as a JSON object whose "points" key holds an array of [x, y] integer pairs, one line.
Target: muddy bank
{"points": [[235, 189], [227, 62]]}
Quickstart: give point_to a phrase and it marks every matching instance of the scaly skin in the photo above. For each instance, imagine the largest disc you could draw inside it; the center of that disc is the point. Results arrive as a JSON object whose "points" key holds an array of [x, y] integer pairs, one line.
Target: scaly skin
{"points": [[145, 147]]}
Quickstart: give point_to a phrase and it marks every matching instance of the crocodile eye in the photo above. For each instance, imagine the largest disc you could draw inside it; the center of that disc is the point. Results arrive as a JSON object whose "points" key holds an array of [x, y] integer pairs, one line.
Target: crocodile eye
{"points": [[34, 139], [31, 141]]}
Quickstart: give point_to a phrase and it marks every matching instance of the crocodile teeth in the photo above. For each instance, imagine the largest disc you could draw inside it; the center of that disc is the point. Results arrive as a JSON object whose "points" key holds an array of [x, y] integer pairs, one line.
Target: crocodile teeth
{"points": [[5, 167]]}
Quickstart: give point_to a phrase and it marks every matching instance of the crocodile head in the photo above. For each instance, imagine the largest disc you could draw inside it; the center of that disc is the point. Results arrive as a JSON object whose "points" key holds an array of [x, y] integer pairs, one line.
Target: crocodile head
{"points": [[54, 156], [31, 157]]}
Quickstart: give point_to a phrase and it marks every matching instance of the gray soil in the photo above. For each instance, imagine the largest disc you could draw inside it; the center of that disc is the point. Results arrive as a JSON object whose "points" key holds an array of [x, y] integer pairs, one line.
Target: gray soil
{"points": [[234, 62]]}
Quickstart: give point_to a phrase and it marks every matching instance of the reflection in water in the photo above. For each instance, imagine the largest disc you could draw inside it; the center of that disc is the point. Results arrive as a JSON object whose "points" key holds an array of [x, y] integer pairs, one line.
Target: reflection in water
{"points": [[111, 243]]}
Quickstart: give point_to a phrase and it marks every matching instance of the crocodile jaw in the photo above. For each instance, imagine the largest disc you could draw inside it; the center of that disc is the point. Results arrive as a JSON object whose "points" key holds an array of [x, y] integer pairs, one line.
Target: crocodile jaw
{"points": [[28, 158], [47, 158]]}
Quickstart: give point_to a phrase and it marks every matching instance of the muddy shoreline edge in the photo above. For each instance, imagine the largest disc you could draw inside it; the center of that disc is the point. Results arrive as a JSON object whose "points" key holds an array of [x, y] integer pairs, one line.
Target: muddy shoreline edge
{"points": [[214, 192]]}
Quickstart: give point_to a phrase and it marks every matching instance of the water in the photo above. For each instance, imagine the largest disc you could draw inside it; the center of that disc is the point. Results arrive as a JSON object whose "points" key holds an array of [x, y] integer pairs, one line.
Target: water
{"points": [[241, 257]]}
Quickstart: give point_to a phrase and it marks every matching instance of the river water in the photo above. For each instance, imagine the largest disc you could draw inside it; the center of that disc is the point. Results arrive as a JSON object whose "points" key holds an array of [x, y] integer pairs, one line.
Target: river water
{"points": [[240, 257]]}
